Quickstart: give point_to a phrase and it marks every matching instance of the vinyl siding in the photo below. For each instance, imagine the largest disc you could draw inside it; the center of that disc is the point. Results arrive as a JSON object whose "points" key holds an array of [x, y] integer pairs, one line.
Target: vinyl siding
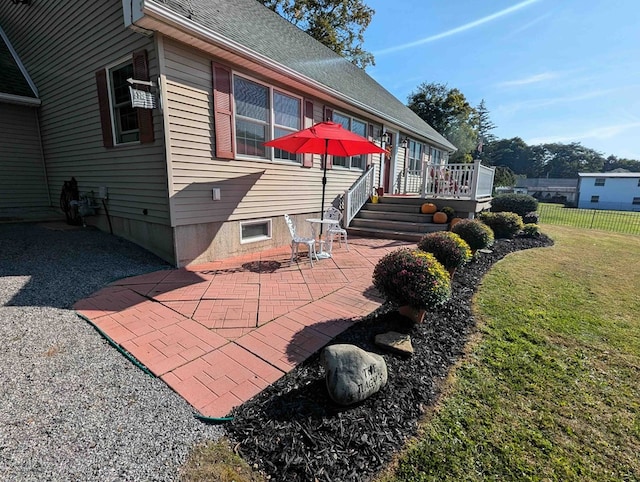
{"points": [[62, 44], [249, 189], [22, 175]]}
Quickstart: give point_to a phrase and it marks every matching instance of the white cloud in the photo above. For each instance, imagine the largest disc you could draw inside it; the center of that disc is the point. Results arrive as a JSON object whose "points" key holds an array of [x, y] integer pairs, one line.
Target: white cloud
{"points": [[533, 79], [597, 133], [457, 30]]}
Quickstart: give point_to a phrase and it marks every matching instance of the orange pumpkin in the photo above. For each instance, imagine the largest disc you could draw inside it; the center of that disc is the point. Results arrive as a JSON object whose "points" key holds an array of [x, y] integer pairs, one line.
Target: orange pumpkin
{"points": [[454, 221], [440, 218], [428, 208]]}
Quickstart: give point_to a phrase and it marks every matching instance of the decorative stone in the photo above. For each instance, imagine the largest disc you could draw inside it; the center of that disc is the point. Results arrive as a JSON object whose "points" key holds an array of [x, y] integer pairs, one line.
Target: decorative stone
{"points": [[352, 374], [485, 251], [396, 342]]}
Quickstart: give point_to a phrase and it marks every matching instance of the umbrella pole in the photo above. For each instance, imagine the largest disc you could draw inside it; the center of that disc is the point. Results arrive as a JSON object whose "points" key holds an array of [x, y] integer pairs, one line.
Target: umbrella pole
{"points": [[324, 183]]}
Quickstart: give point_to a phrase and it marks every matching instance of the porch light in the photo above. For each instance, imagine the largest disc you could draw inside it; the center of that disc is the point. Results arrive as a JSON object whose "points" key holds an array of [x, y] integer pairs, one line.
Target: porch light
{"points": [[404, 142], [385, 137]]}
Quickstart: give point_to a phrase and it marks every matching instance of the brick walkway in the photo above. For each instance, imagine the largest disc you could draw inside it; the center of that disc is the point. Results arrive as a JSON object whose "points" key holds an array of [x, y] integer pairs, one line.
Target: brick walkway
{"points": [[221, 332]]}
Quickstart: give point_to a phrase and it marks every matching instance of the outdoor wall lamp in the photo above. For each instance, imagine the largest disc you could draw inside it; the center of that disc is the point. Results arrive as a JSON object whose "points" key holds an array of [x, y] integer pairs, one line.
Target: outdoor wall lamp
{"points": [[385, 137], [404, 142]]}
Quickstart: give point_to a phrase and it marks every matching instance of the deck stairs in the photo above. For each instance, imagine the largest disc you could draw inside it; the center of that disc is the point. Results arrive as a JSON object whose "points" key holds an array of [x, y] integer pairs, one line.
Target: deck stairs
{"points": [[394, 217]]}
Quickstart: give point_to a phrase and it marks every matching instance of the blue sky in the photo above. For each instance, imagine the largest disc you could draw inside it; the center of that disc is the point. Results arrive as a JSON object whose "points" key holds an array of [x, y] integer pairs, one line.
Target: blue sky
{"points": [[548, 70]]}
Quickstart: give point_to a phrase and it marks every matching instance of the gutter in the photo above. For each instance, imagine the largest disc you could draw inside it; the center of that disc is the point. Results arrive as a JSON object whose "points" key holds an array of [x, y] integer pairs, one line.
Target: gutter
{"points": [[20, 99], [160, 12]]}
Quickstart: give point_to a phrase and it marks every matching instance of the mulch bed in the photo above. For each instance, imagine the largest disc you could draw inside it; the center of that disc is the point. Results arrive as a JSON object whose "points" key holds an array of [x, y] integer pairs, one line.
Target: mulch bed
{"points": [[294, 432]]}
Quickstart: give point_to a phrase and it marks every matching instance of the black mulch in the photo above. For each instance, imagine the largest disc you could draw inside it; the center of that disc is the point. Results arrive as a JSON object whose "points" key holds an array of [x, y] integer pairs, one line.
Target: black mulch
{"points": [[294, 432]]}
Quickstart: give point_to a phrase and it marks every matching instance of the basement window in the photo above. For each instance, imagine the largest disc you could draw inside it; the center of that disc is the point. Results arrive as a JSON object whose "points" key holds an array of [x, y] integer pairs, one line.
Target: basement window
{"points": [[595, 199], [255, 230], [636, 200]]}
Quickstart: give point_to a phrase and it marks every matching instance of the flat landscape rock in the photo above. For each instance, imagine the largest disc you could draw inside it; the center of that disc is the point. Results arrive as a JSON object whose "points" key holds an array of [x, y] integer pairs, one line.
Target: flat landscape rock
{"points": [[395, 342]]}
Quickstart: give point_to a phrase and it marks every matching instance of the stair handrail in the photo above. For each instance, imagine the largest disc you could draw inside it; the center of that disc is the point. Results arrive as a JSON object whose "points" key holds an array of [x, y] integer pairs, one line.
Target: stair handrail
{"points": [[357, 195]]}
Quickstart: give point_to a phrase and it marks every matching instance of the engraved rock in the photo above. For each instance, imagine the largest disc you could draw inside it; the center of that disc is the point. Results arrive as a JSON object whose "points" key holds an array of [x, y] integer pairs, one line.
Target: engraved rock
{"points": [[352, 374]]}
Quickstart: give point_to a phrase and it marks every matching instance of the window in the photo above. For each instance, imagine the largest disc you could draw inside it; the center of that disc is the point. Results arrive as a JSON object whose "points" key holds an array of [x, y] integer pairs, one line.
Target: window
{"points": [[125, 117], [436, 156], [263, 113], [256, 230], [120, 122], [599, 181], [358, 127], [415, 156], [595, 199], [638, 182], [636, 200]]}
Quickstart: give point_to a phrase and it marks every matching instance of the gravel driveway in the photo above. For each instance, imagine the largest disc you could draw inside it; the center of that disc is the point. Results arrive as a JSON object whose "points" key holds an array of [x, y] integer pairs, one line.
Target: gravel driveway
{"points": [[72, 408]]}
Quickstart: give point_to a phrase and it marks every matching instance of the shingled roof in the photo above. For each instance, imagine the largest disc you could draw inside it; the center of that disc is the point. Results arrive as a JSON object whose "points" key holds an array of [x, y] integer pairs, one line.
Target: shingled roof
{"points": [[13, 80], [262, 31]]}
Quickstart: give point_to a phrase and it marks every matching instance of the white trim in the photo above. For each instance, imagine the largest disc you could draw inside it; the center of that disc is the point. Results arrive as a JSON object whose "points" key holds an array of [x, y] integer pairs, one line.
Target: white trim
{"points": [[255, 239], [160, 12], [19, 62], [271, 125]]}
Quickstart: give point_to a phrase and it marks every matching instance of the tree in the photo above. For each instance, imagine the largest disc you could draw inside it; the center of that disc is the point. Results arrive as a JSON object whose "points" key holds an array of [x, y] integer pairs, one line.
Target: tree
{"points": [[567, 160], [338, 24], [504, 176], [449, 113], [613, 163], [514, 154], [483, 126]]}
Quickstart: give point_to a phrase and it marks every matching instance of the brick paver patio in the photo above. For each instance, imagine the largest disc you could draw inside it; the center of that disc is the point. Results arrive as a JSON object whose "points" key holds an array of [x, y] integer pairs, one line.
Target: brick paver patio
{"points": [[221, 332]]}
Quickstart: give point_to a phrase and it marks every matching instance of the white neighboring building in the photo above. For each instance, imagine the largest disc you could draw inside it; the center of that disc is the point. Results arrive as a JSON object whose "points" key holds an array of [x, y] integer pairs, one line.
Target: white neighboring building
{"points": [[618, 191]]}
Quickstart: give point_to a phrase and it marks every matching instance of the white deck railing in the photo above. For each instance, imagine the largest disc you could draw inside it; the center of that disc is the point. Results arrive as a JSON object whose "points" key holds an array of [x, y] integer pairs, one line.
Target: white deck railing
{"points": [[463, 181], [358, 195]]}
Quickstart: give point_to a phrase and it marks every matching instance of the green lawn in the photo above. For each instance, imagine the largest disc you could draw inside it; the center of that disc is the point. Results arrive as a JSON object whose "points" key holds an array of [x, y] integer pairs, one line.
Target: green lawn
{"points": [[550, 389], [617, 221]]}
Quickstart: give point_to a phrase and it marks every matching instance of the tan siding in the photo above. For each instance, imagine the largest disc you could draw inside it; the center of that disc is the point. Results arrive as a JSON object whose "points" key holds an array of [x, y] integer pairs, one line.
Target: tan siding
{"points": [[22, 176], [62, 47], [249, 189]]}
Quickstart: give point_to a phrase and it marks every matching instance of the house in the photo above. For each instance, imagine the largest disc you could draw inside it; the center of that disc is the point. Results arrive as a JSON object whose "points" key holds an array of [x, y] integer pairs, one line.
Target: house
{"points": [[546, 189], [23, 185], [159, 109], [619, 191]]}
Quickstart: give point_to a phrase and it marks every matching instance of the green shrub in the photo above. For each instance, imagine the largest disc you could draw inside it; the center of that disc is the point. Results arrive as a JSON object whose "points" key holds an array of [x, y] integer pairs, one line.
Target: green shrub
{"points": [[520, 204], [503, 224], [449, 211], [448, 248], [412, 277], [531, 230], [477, 234]]}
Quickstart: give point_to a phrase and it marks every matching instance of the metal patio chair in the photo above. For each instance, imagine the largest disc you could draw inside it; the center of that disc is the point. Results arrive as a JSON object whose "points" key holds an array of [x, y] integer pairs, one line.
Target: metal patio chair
{"points": [[297, 240], [335, 231]]}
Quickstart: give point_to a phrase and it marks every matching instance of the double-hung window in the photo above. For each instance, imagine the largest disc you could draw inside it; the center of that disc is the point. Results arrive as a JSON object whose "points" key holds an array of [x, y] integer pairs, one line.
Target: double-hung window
{"points": [[358, 127], [415, 156], [120, 122], [263, 113], [125, 117]]}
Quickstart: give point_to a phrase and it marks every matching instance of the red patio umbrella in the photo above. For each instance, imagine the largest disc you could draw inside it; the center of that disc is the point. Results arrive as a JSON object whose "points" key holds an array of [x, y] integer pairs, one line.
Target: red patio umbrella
{"points": [[325, 138]]}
